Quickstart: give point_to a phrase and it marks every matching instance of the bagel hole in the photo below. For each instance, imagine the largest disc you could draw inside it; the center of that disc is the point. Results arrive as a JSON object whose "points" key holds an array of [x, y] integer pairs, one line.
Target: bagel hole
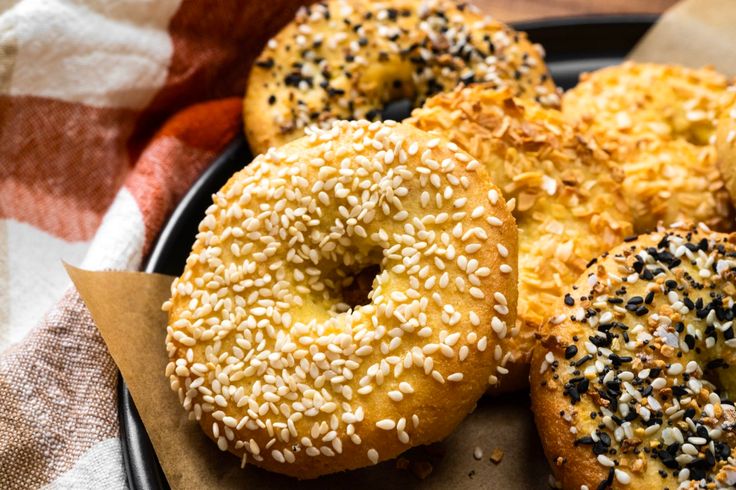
{"points": [[356, 294], [397, 110]]}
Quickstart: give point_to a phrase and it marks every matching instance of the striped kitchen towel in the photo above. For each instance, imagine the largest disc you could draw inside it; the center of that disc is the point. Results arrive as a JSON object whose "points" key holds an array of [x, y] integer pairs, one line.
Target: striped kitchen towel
{"points": [[108, 112]]}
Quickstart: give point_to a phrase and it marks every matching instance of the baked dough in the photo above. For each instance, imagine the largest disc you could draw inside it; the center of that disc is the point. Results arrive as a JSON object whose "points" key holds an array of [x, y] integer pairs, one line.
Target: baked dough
{"points": [[269, 358], [726, 142], [632, 381], [569, 202], [658, 122], [345, 59]]}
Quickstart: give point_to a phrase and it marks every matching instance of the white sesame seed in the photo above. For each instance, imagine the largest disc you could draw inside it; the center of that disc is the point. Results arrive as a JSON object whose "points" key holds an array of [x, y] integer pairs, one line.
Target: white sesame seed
{"points": [[500, 298], [622, 477], [396, 396], [494, 221], [278, 456], [605, 461], [675, 369], [372, 453]]}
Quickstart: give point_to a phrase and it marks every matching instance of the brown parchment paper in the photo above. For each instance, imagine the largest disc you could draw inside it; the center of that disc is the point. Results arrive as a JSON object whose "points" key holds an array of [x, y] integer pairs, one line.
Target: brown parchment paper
{"points": [[693, 33], [126, 308]]}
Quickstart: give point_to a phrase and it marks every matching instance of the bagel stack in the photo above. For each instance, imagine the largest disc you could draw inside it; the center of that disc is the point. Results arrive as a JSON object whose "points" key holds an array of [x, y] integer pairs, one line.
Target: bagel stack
{"points": [[354, 290]]}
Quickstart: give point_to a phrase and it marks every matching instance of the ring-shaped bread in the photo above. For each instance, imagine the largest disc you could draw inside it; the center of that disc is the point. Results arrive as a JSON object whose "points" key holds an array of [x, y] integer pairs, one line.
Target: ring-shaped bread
{"points": [[265, 353], [346, 59], [658, 122], [633, 381], [569, 202], [726, 142]]}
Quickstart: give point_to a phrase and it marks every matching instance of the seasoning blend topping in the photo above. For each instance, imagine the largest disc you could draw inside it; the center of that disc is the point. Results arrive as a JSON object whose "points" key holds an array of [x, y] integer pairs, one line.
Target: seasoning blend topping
{"points": [[634, 370], [658, 123], [345, 59], [265, 351]]}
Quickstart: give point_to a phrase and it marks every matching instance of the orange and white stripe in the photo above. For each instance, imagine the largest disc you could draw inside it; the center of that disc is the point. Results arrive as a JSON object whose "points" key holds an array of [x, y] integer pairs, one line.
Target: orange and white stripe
{"points": [[91, 164]]}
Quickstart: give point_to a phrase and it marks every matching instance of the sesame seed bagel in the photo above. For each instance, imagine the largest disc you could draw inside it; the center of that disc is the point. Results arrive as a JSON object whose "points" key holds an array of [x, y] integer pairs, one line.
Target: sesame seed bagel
{"points": [[658, 121], [345, 59], [271, 360], [632, 382], [569, 204], [726, 142]]}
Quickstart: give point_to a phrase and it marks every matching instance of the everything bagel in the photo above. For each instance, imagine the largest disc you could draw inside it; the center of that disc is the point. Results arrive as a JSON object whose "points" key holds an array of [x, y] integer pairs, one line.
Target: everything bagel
{"points": [[633, 381], [345, 59], [264, 350]]}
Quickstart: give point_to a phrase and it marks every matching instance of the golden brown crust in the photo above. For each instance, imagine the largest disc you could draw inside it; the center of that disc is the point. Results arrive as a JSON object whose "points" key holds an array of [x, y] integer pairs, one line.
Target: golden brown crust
{"points": [[287, 373], [345, 59], [641, 341], [726, 142], [569, 202], [658, 122]]}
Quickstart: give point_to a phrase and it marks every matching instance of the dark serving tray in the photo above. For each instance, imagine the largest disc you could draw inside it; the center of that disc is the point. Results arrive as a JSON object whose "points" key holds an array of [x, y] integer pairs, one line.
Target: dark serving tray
{"points": [[573, 45]]}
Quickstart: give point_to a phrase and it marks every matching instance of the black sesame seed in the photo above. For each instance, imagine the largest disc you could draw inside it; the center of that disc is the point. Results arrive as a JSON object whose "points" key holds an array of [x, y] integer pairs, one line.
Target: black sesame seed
{"points": [[679, 391], [690, 341], [641, 311], [608, 482], [716, 363], [583, 386], [599, 448], [668, 460], [267, 63], [572, 392], [638, 265], [582, 360]]}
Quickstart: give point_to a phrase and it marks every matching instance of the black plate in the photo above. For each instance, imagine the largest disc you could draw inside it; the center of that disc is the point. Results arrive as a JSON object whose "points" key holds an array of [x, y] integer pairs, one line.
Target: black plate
{"points": [[573, 45]]}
